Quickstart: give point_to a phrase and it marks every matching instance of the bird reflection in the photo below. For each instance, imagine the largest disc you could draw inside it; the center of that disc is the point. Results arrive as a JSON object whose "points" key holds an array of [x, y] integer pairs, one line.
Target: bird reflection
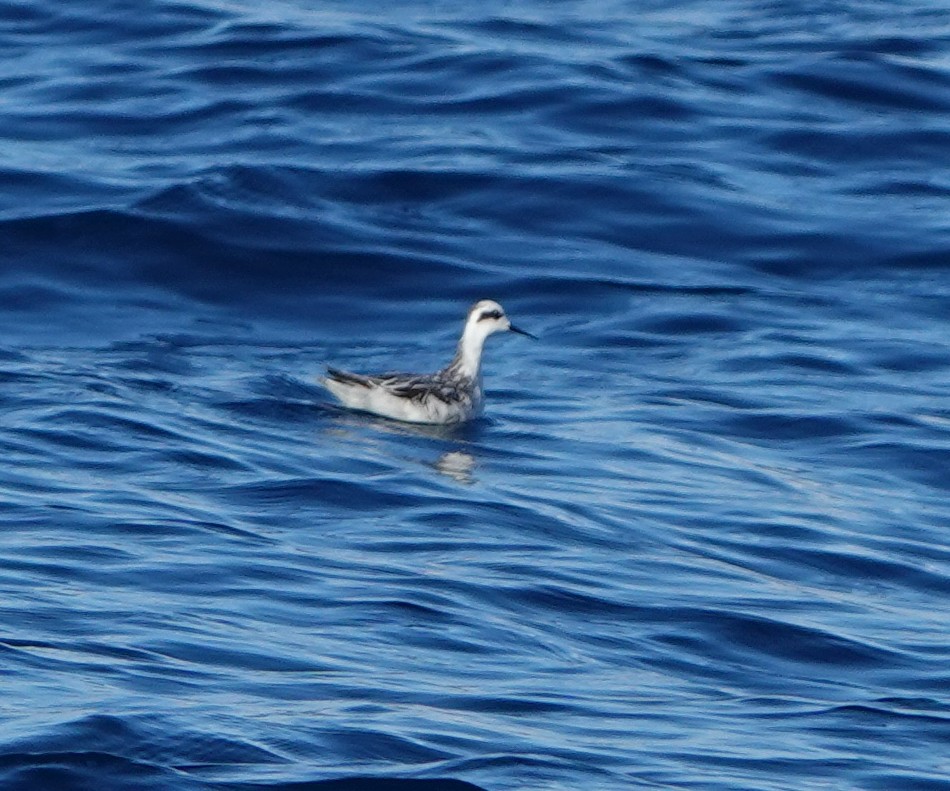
{"points": [[457, 465]]}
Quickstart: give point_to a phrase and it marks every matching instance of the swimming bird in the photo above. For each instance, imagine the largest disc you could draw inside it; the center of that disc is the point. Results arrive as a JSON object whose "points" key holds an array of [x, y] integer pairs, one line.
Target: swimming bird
{"points": [[452, 395]]}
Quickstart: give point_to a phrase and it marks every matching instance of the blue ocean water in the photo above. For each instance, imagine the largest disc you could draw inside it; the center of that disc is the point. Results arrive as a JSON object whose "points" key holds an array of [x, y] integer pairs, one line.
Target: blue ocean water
{"points": [[699, 539]]}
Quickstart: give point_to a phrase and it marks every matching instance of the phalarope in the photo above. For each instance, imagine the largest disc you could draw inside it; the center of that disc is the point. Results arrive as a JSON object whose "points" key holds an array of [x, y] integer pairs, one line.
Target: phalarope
{"points": [[452, 395]]}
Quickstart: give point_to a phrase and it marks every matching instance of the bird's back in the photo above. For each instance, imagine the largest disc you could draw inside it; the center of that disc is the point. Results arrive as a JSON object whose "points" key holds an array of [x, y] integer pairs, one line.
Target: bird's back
{"points": [[418, 398]]}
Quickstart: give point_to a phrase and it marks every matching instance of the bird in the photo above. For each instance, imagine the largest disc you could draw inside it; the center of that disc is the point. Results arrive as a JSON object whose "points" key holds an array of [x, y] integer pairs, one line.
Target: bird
{"points": [[452, 395]]}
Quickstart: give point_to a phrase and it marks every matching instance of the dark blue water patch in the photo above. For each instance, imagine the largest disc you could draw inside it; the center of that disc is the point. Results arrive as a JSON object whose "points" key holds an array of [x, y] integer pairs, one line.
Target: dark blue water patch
{"points": [[923, 358], [29, 191], [320, 492], [145, 739], [811, 363], [280, 411], [364, 784], [921, 259], [878, 570], [691, 323], [874, 80], [82, 771], [791, 426], [145, 754], [754, 640], [207, 655], [33, 297], [927, 464], [334, 49], [917, 781], [876, 715], [835, 145]]}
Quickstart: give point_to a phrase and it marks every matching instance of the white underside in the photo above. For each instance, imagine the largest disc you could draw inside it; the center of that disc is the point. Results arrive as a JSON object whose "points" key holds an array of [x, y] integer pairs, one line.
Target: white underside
{"points": [[380, 401]]}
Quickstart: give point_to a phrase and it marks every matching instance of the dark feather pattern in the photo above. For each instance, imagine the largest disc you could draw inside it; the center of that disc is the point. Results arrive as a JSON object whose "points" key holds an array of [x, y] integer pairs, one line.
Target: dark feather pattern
{"points": [[444, 385], [418, 388], [348, 378]]}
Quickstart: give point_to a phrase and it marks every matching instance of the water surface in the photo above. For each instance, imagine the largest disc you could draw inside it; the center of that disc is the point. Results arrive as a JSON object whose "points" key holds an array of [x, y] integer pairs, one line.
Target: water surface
{"points": [[698, 539]]}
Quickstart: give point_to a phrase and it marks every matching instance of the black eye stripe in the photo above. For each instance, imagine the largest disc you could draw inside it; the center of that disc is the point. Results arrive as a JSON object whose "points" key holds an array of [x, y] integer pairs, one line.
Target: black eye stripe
{"points": [[490, 314]]}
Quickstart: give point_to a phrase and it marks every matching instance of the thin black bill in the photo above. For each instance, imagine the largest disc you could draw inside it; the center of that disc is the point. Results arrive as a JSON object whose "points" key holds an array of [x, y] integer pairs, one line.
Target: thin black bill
{"points": [[520, 331]]}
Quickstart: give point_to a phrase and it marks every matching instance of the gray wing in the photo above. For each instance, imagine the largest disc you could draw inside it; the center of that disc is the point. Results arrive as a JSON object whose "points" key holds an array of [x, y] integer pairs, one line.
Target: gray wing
{"points": [[423, 386], [416, 387]]}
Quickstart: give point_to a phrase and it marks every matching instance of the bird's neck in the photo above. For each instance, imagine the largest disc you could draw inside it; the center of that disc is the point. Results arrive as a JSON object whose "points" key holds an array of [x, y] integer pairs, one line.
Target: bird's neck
{"points": [[468, 356]]}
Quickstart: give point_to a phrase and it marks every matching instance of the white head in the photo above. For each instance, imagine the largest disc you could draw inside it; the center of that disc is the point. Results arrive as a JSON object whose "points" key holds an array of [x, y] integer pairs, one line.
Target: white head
{"points": [[483, 319], [486, 317]]}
